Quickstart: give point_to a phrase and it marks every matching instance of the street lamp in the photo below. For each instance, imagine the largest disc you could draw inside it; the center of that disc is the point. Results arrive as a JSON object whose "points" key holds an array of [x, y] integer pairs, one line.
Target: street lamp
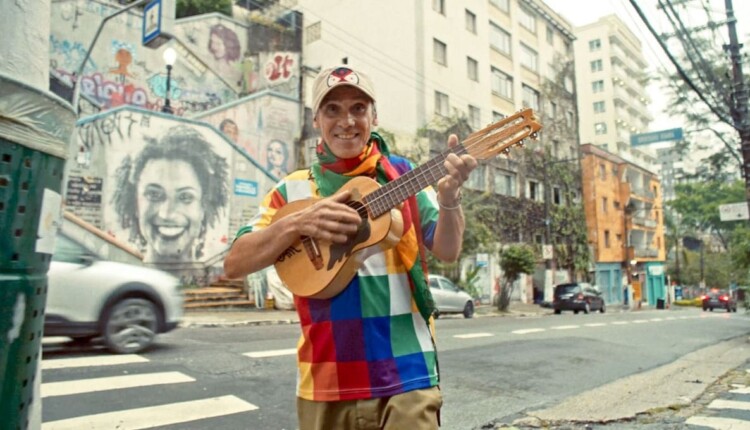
{"points": [[170, 55]]}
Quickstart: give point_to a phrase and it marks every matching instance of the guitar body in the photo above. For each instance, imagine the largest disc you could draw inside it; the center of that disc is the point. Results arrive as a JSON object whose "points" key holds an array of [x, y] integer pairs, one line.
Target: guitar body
{"points": [[319, 269]]}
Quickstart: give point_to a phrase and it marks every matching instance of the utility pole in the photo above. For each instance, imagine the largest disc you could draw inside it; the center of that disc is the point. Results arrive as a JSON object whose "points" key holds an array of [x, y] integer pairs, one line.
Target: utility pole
{"points": [[739, 108]]}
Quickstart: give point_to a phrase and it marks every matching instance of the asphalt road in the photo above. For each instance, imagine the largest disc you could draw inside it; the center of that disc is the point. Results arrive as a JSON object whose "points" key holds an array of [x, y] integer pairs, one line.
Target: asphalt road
{"points": [[495, 371]]}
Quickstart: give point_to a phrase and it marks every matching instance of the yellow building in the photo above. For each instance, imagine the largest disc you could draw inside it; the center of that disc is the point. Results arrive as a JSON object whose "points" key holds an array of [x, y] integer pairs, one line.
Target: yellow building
{"points": [[624, 215]]}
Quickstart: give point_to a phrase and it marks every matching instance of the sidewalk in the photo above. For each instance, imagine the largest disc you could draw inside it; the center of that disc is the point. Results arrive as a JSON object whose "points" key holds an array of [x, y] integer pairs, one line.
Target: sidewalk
{"points": [[253, 316]]}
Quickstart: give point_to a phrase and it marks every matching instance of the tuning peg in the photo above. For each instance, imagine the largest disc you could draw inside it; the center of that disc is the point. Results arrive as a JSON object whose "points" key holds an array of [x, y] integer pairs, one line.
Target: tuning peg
{"points": [[521, 143], [506, 151], [535, 135]]}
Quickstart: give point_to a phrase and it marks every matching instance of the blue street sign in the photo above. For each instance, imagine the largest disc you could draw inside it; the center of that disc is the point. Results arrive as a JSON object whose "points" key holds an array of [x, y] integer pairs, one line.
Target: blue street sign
{"points": [[151, 21], [245, 187], [656, 136]]}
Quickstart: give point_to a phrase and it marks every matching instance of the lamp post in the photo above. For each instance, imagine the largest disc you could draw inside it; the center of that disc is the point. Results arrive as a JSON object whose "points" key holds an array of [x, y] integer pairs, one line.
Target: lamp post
{"points": [[170, 55]]}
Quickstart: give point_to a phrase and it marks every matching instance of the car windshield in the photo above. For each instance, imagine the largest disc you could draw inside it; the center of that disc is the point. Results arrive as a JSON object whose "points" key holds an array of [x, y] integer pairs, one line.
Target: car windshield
{"points": [[566, 289]]}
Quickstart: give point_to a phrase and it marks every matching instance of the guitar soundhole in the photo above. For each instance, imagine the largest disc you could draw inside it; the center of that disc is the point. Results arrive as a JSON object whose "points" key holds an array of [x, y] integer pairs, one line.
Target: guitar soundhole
{"points": [[341, 250], [359, 207]]}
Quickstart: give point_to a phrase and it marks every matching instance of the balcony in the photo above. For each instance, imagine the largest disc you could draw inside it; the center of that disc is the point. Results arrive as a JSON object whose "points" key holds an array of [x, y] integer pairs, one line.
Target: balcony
{"points": [[645, 222], [646, 252]]}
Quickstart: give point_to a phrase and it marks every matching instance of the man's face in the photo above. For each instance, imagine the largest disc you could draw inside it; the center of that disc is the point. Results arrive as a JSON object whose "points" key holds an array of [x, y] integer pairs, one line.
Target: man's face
{"points": [[170, 212], [345, 118]]}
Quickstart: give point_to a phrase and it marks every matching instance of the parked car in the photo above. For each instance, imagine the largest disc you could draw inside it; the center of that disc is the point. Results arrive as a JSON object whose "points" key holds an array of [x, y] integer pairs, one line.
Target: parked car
{"points": [[577, 296], [720, 299], [125, 305], [449, 298]]}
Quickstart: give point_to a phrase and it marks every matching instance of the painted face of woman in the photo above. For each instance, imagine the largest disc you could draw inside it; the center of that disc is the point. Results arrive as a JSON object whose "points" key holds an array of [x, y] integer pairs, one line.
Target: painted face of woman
{"points": [[170, 210]]}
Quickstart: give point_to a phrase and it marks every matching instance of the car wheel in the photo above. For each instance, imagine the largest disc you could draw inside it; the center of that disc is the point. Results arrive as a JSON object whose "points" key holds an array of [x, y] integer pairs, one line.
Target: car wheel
{"points": [[80, 340], [130, 326], [729, 309], [704, 309], [587, 308], [575, 312], [711, 309], [558, 311], [469, 310], [603, 308], [436, 314]]}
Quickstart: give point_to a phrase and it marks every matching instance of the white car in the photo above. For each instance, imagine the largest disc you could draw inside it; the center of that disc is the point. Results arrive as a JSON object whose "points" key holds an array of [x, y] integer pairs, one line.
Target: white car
{"points": [[449, 298], [124, 304]]}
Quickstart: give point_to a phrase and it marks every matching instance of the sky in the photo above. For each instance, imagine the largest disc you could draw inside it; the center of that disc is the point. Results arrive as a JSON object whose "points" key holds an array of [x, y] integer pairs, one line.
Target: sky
{"points": [[581, 12]]}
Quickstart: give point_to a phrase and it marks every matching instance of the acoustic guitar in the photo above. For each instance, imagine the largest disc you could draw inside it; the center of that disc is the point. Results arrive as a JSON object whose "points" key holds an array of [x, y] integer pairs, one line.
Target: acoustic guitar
{"points": [[320, 269]]}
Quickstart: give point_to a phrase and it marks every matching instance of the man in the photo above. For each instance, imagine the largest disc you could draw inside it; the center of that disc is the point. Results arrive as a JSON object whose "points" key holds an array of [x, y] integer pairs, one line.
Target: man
{"points": [[366, 357]]}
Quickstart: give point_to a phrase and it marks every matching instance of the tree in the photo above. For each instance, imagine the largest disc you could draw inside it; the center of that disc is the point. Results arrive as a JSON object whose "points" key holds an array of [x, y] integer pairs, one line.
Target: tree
{"points": [[199, 7], [514, 260]]}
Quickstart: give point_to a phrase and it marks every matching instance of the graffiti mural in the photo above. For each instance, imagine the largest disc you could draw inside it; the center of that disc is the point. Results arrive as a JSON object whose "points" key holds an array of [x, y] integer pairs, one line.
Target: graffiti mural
{"points": [[265, 125], [121, 71]]}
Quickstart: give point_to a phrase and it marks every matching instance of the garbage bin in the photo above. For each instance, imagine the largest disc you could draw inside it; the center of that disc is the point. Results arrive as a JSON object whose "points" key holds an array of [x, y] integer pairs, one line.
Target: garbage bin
{"points": [[659, 303], [35, 129]]}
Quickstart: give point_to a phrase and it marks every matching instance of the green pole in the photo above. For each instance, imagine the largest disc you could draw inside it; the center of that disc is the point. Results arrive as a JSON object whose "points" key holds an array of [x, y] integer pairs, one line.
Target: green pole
{"points": [[35, 129]]}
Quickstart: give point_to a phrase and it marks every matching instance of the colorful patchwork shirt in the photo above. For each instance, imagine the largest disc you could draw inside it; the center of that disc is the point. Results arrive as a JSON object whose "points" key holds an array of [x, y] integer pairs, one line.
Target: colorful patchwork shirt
{"points": [[370, 340]]}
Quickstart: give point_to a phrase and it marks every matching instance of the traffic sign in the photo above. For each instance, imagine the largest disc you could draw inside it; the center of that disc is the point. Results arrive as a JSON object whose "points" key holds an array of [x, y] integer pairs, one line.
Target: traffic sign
{"points": [[151, 21], [734, 211], [656, 136]]}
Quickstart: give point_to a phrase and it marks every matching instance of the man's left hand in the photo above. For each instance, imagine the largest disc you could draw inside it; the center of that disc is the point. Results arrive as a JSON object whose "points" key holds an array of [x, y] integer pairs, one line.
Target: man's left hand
{"points": [[459, 168]]}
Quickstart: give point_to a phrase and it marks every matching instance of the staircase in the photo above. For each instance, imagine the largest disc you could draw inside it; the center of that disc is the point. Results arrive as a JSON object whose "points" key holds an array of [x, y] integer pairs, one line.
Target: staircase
{"points": [[222, 294]]}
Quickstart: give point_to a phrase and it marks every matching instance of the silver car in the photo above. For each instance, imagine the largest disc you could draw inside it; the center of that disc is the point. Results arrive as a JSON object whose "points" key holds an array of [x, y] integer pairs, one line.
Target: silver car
{"points": [[449, 298], [124, 304]]}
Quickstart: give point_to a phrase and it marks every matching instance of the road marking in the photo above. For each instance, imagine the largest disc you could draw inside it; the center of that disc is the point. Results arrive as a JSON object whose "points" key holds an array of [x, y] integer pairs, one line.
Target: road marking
{"points": [[639, 321], [528, 330], [105, 360], [718, 423], [740, 390], [79, 386], [670, 318], [472, 335], [564, 327], [595, 325], [274, 353], [656, 319], [619, 322], [155, 416], [729, 404]]}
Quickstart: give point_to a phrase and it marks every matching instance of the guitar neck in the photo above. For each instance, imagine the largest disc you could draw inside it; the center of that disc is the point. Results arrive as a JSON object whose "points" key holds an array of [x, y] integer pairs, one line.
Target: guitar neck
{"points": [[393, 193]]}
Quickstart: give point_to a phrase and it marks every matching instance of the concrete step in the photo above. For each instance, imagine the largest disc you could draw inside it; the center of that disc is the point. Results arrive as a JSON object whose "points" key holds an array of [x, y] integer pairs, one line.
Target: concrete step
{"points": [[220, 304]]}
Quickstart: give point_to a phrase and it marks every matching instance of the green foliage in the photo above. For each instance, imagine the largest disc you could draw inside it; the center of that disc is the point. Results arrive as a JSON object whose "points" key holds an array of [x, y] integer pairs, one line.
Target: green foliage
{"points": [[514, 261], [469, 284], [199, 7]]}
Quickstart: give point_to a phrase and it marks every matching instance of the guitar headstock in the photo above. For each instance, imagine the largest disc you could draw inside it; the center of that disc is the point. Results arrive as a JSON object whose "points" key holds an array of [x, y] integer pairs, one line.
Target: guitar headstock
{"points": [[502, 135]]}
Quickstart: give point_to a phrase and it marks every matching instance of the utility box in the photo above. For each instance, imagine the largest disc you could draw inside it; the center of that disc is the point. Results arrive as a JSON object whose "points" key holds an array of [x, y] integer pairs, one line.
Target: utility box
{"points": [[35, 130]]}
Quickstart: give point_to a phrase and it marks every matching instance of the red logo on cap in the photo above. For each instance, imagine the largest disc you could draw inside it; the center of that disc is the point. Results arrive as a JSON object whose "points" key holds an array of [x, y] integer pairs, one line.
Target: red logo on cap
{"points": [[342, 74]]}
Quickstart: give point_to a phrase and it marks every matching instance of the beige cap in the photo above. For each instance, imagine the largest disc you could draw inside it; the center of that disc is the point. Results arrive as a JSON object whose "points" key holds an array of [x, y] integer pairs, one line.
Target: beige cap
{"points": [[333, 77]]}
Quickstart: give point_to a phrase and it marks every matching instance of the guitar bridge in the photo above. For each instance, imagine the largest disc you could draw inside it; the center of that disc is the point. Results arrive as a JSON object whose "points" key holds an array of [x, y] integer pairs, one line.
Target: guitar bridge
{"points": [[313, 252]]}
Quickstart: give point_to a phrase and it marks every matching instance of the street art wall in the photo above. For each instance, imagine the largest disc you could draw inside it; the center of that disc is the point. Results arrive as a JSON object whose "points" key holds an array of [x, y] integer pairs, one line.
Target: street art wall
{"points": [[121, 70], [176, 190], [223, 44], [266, 125]]}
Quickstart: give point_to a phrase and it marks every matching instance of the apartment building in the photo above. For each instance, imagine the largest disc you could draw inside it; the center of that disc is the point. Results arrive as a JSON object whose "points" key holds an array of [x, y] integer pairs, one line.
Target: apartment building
{"points": [[624, 216], [481, 59]]}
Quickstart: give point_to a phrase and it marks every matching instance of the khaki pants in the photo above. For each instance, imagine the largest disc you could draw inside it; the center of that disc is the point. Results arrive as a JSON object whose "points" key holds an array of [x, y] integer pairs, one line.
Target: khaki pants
{"points": [[414, 410]]}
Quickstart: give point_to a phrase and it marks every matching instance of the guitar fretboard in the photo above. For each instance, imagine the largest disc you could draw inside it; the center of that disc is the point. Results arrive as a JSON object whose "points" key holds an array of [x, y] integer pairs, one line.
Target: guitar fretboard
{"points": [[393, 193]]}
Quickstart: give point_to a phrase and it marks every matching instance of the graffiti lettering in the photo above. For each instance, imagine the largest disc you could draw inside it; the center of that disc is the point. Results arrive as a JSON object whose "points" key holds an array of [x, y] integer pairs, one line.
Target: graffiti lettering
{"points": [[279, 67], [112, 94], [101, 131]]}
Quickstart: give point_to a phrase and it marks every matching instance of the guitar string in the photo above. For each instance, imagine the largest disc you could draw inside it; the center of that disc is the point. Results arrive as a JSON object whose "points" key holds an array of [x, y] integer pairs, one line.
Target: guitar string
{"points": [[382, 194]]}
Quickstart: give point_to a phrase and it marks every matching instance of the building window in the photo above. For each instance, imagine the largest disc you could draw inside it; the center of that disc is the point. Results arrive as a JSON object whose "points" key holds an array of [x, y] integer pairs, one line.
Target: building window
{"points": [[597, 66], [497, 116], [602, 171], [471, 22], [527, 20], [441, 104], [599, 107], [600, 128], [476, 179], [505, 183], [553, 110], [535, 191], [499, 39], [530, 97], [439, 6], [502, 84], [555, 148], [556, 196], [606, 238], [529, 58], [440, 52], [475, 120], [595, 45], [550, 35], [472, 69], [597, 86], [605, 204], [503, 5]]}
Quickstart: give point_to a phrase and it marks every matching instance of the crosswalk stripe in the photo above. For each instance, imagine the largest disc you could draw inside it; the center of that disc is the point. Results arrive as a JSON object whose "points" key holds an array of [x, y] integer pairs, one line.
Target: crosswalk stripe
{"points": [[528, 330], [155, 416], [472, 335], [106, 360], [740, 390], [80, 386], [564, 327], [718, 423], [639, 321], [620, 322], [275, 353], [595, 325], [730, 404]]}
